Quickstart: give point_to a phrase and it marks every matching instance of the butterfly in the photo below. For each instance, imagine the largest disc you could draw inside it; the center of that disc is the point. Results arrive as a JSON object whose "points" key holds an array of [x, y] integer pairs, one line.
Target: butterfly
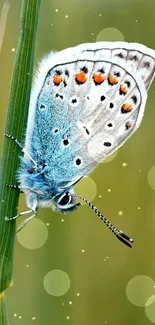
{"points": [[85, 103]]}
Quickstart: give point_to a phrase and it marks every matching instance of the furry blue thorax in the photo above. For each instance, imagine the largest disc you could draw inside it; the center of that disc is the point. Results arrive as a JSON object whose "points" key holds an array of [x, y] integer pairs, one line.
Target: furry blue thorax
{"points": [[42, 191]]}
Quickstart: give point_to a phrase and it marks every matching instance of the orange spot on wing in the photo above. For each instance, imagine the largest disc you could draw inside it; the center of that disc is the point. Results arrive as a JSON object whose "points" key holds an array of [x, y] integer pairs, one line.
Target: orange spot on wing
{"points": [[126, 108], [80, 77], [123, 90], [98, 78], [57, 79], [112, 80]]}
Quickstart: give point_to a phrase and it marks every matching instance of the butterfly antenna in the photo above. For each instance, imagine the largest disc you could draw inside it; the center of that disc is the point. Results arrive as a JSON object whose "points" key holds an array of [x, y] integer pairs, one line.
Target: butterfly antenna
{"points": [[118, 233]]}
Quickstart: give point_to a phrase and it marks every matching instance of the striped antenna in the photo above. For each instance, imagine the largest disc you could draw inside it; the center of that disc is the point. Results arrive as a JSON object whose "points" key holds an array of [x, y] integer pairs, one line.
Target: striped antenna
{"points": [[118, 233]]}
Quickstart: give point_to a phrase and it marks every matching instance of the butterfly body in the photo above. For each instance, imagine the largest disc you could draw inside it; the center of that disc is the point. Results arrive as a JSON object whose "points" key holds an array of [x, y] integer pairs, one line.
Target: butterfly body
{"points": [[39, 190], [85, 103]]}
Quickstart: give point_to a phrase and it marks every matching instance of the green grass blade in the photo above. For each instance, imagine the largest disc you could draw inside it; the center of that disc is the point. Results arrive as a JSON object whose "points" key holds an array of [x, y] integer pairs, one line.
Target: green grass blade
{"points": [[3, 311], [15, 125]]}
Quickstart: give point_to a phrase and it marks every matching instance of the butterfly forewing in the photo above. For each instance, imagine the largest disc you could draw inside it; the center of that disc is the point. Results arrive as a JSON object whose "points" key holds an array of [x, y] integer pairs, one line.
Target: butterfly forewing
{"points": [[87, 110], [92, 98]]}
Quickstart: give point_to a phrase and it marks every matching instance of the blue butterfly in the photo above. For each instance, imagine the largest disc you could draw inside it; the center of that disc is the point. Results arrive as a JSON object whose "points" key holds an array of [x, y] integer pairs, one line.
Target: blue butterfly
{"points": [[85, 103]]}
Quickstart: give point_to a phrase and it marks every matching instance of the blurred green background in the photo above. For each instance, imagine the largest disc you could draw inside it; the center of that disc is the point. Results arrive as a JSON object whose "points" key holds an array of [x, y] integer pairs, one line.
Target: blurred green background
{"points": [[71, 269]]}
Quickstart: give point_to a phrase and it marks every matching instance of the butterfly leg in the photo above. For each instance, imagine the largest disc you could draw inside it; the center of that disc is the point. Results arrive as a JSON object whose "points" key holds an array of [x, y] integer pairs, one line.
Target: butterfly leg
{"points": [[21, 147], [22, 189], [26, 221], [12, 186], [18, 215], [16, 187]]}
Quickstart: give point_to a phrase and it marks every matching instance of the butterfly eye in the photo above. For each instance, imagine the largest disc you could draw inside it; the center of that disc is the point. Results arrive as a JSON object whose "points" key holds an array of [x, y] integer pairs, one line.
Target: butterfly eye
{"points": [[65, 199]]}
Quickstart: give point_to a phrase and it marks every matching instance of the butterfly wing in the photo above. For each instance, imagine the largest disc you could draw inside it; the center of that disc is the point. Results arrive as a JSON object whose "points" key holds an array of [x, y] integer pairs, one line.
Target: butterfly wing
{"points": [[86, 103], [137, 56]]}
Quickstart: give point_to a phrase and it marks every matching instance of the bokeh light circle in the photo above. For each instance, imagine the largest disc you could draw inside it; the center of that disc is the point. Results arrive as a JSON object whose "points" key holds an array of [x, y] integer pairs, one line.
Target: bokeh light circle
{"points": [[33, 235], [110, 34], [151, 177], [56, 282], [139, 289], [86, 188], [150, 309]]}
